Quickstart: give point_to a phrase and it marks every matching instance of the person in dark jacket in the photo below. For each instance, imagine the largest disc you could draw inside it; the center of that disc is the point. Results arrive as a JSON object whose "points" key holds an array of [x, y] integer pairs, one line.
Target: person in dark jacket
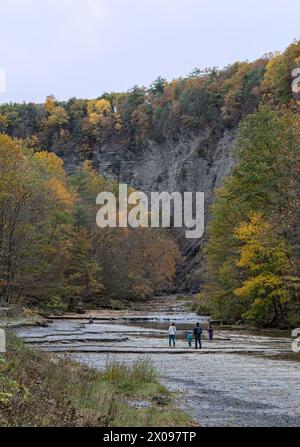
{"points": [[197, 335], [210, 332]]}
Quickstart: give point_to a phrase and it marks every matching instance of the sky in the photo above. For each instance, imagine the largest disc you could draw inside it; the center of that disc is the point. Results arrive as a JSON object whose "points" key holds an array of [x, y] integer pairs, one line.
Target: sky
{"points": [[83, 48]]}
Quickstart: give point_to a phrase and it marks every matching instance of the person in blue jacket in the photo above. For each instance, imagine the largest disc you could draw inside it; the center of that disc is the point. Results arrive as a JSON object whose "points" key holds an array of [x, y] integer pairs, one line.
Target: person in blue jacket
{"points": [[197, 335]]}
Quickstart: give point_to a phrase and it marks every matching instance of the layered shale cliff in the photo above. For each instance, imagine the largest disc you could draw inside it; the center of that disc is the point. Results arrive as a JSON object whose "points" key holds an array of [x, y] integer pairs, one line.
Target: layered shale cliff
{"points": [[194, 162]]}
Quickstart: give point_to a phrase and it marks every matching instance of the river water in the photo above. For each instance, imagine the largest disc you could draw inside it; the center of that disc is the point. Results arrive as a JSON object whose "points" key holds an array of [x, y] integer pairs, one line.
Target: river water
{"points": [[238, 379]]}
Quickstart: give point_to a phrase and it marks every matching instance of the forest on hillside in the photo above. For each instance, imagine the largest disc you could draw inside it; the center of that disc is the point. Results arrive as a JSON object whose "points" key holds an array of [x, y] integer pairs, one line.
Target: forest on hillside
{"points": [[51, 252], [213, 99], [53, 255], [253, 253]]}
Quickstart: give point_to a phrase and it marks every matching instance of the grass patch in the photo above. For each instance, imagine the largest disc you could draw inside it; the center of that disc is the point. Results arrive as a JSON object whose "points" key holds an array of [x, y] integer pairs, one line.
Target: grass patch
{"points": [[42, 389], [139, 380], [130, 378]]}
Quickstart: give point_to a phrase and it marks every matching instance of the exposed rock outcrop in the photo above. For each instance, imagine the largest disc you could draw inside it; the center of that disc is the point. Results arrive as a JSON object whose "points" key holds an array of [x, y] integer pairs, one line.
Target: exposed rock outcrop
{"points": [[195, 162]]}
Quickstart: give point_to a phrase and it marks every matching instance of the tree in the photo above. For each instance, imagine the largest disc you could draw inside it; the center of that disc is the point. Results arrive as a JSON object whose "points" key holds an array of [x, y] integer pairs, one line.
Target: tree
{"points": [[265, 258], [157, 88], [264, 183], [57, 115], [35, 207]]}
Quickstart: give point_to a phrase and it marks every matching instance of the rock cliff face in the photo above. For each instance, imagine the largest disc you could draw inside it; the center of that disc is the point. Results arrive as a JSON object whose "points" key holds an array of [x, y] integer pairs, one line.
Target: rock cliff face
{"points": [[193, 163]]}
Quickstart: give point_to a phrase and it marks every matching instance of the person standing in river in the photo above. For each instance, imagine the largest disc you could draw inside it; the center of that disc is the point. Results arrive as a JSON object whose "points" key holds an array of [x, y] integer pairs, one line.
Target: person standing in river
{"points": [[197, 335], [190, 338], [210, 332], [172, 334]]}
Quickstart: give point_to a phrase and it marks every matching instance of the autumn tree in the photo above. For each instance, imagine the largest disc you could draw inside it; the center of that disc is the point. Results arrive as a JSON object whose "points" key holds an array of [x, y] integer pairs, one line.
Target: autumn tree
{"points": [[263, 190], [265, 260], [35, 210]]}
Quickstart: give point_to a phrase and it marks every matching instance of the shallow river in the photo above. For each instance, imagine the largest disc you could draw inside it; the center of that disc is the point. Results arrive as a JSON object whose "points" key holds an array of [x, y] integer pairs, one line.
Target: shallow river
{"points": [[235, 380]]}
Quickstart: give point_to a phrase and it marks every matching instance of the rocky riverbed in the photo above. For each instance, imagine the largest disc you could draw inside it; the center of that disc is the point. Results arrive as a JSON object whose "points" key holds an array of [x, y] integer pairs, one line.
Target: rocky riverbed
{"points": [[238, 379]]}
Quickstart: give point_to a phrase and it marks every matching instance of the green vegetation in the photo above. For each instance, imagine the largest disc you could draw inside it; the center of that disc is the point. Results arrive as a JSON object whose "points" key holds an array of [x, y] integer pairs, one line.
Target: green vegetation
{"points": [[40, 389], [253, 252], [138, 378], [212, 99], [52, 254]]}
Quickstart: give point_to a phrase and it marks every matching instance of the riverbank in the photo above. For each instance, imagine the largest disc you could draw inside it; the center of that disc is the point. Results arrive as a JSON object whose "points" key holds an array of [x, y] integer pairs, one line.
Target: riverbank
{"points": [[241, 378], [41, 389], [167, 305], [16, 316]]}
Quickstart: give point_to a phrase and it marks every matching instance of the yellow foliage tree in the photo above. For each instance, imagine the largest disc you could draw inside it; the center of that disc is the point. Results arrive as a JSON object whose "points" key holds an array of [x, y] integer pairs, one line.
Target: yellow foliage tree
{"points": [[98, 110], [264, 258], [57, 115]]}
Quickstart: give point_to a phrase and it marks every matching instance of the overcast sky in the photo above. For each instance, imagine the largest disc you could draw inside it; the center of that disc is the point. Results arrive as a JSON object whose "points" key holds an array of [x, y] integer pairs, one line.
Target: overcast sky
{"points": [[85, 47]]}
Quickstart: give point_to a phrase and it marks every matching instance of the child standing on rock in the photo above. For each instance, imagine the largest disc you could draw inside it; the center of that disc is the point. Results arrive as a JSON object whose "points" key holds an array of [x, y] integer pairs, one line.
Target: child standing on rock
{"points": [[210, 333], [190, 338]]}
